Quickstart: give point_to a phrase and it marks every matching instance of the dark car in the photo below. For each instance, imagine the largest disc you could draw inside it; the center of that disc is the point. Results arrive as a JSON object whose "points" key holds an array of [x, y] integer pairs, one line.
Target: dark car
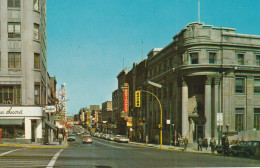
{"points": [[246, 149], [219, 147]]}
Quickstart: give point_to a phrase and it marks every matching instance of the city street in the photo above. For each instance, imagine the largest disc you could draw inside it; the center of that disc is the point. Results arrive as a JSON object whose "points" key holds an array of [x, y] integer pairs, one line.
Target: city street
{"points": [[107, 154]]}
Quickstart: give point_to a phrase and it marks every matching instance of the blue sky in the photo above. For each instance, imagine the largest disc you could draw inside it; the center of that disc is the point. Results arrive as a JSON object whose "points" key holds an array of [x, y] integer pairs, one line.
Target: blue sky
{"points": [[88, 39]]}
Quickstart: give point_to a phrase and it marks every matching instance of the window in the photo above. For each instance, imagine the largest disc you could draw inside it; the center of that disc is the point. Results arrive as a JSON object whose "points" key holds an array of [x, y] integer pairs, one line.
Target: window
{"points": [[240, 59], [37, 61], [240, 85], [14, 30], [257, 60], [36, 32], [0, 60], [257, 85], [194, 58], [14, 60], [212, 58], [36, 5], [37, 93], [239, 119], [10, 94], [14, 3], [257, 118]]}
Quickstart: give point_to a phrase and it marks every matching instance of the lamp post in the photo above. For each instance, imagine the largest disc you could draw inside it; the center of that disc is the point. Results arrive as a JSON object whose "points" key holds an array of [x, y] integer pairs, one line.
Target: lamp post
{"points": [[227, 128]]}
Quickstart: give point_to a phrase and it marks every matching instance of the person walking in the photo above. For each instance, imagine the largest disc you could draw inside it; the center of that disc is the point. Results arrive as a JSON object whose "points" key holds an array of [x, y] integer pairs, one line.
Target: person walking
{"points": [[205, 143], [212, 144], [200, 142], [226, 147], [185, 141], [60, 136]]}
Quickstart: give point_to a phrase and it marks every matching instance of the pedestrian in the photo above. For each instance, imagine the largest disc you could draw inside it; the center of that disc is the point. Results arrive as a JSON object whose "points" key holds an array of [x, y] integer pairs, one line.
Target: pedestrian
{"points": [[243, 139], [185, 141], [226, 147], [205, 143], [223, 139], [212, 144], [60, 138], [200, 142]]}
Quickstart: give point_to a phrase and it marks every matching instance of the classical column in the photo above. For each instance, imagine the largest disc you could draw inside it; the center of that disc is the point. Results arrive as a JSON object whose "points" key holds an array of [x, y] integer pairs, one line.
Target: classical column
{"points": [[28, 130], [184, 104], [216, 105], [208, 107], [38, 130]]}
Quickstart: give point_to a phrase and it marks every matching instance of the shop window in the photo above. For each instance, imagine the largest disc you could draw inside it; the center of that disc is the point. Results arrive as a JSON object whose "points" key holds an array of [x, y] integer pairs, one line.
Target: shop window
{"points": [[14, 3], [10, 94], [239, 119], [212, 58], [257, 118], [14, 60], [14, 30], [37, 61], [257, 85], [240, 85], [194, 58], [240, 59]]}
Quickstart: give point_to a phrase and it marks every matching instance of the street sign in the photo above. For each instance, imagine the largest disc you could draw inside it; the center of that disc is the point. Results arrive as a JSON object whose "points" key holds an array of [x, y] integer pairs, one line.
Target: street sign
{"points": [[50, 109], [137, 98], [220, 119]]}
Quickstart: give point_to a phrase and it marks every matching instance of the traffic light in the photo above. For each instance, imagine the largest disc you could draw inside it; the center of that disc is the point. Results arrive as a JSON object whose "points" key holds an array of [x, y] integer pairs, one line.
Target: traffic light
{"points": [[137, 99]]}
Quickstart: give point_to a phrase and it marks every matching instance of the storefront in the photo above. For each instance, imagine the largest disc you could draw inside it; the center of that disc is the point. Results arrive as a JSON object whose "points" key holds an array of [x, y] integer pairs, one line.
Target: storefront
{"points": [[22, 124]]}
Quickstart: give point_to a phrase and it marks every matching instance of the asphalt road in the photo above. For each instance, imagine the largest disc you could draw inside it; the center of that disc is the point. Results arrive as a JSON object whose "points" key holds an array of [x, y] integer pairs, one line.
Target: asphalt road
{"points": [[106, 154]]}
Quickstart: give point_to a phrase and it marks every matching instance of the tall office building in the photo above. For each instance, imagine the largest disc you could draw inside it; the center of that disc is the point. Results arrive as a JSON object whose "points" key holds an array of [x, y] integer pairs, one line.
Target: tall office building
{"points": [[23, 68]]}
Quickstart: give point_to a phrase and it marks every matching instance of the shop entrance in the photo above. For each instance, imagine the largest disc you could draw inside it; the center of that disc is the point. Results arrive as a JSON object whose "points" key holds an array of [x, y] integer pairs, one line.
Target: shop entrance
{"points": [[33, 130]]}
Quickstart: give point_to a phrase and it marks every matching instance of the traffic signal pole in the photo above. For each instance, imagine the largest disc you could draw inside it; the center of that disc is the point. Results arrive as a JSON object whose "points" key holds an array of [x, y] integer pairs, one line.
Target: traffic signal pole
{"points": [[160, 125]]}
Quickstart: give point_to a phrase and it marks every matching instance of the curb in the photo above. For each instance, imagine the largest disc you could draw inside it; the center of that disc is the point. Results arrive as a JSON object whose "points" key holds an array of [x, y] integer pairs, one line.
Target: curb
{"points": [[33, 146], [172, 149]]}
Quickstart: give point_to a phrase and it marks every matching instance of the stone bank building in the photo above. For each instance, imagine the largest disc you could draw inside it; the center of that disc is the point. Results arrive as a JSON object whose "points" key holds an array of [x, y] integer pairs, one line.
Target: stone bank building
{"points": [[212, 85], [23, 69]]}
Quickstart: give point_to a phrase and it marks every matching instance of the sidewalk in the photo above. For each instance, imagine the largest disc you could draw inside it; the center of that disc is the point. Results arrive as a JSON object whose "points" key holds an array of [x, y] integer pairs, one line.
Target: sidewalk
{"points": [[191, 147], [35, 145]]}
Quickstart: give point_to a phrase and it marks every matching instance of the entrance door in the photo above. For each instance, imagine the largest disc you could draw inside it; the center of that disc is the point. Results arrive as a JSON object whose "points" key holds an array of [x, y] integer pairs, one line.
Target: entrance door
{"points": [[33, 130], [199, 131]]}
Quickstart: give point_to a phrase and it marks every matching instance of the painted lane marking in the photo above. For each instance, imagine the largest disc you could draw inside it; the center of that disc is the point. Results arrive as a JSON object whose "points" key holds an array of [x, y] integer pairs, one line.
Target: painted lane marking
{"points": [[54, 159], [5, 153]]}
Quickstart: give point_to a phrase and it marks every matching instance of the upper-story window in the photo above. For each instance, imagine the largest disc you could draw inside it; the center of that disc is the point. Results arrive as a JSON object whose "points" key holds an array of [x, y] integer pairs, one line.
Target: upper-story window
{"points": [[240, 85], [10, 94], [212, 58], [37, 61], [36, 32], [240, 59], [14, 30], [14, 3], [257, 85], [194, 58], [14, 60], [257, 57], [36, 5]]}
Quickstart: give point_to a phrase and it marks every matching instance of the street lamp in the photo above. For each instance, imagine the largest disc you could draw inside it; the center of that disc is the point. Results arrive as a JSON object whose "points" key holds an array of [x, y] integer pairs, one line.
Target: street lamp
{"points": [[227, 128]]}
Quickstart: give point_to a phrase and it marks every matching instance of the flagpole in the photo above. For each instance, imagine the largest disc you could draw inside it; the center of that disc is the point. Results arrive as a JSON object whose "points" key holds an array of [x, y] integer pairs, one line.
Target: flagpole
{"points": [[199, 10]]}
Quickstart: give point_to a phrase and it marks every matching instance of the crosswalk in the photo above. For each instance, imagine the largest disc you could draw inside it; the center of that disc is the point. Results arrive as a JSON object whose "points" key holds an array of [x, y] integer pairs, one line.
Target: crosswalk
{"points": [[29, 157]]}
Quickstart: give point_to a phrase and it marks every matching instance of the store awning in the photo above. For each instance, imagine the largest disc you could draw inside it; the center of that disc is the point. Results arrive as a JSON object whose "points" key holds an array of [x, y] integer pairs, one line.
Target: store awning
{"points": [[11, 121], [50, 124]]}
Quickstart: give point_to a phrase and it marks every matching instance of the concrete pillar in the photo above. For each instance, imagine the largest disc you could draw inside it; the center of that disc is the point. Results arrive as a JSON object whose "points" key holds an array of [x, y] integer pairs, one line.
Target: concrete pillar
{"points": [[38, 131], [28, 130], [185, 122], [216, 106], [208, 107]]}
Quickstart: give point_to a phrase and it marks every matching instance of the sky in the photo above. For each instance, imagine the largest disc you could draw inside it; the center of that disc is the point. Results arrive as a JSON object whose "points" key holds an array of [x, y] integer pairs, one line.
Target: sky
{"points": [[90, 41]]}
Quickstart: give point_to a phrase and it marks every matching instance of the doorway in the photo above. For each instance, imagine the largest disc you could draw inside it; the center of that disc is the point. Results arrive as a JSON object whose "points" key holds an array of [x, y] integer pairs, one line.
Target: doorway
{"points": [[199, 132]]}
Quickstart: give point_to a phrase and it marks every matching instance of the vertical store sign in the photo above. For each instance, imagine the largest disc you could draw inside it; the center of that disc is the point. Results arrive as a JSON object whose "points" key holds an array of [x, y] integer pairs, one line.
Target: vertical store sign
{"points": [[125, 98]]}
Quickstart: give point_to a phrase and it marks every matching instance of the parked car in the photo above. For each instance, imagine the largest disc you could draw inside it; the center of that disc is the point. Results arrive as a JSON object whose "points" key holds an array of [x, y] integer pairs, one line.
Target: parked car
{"points": [[219, 147], [117, 137], [71, 138], [112, 137], [123, 139], [87, 139], [246, 149]]}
